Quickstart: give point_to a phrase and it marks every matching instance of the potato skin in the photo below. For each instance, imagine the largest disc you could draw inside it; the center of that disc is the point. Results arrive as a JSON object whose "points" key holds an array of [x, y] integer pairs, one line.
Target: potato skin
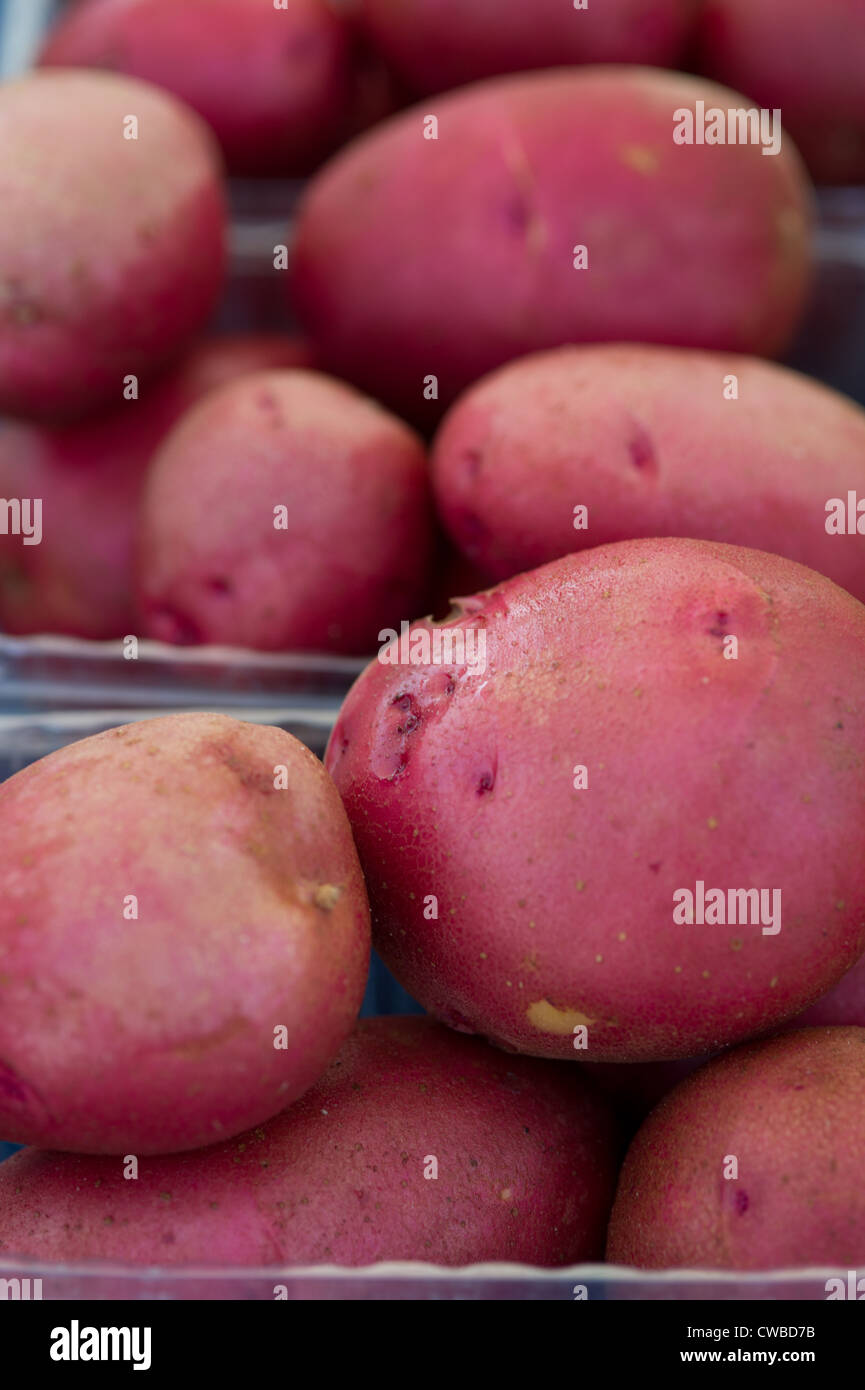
{"points": [[416, 257], [355, 553], [790, 1110], [803, 58], [89, 475], [526, 1156], [124, 255], [434, 44], [156, 1034], [646, 440], [555, 905], [274, 85]]}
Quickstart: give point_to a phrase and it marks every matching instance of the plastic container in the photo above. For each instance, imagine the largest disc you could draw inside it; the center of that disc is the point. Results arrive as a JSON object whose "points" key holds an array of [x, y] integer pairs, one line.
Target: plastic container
{"points": [[415, 1282], [55, 689]]}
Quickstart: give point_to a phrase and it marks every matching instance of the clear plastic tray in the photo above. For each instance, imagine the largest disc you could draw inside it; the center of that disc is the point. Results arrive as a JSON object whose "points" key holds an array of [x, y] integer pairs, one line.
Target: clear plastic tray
{"points": [[416, 1282], [55, 689]]}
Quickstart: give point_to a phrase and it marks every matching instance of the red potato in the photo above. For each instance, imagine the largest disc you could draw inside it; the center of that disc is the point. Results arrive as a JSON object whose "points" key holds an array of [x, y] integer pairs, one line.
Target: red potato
{"points": [[89, 477], [524, 1153], [279, 86], [530, 814], [650, 442], [434, 44], [285, 512], [184, 935], [124, 253], [421, 263], [789, 1114], [805, 59]]}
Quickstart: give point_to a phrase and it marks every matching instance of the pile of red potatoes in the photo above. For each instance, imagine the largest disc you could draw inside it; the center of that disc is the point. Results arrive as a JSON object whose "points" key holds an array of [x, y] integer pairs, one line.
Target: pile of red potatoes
{"points": [[604, 815]]}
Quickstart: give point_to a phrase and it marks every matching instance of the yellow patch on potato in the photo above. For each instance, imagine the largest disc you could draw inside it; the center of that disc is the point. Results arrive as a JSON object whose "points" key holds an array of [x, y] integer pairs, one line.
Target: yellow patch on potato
{"points": [[639, 157], [548, 1019]]}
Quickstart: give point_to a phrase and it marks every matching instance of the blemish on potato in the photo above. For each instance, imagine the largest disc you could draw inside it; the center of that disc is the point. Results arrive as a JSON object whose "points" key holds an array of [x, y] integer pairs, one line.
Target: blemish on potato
{"points": [[639, 157], [472, 460], [641, 451], [326, 896], [486, 781], [194, 1047], [520, 212], [547, 1018]]}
